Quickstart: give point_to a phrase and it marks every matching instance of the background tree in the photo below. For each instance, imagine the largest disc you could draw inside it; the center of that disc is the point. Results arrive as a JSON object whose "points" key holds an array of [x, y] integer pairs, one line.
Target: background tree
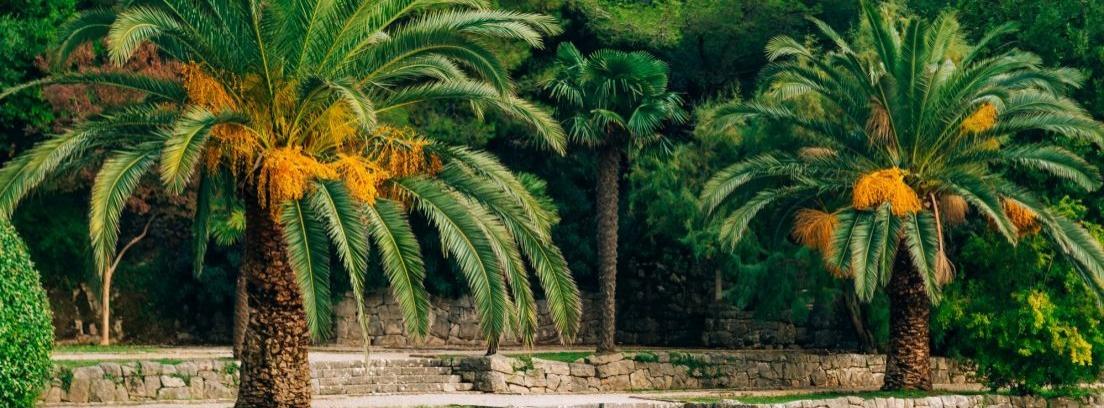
{"points": [[277, 105], [1040, 331], [26, 336], [892, 140], [611, 101]]}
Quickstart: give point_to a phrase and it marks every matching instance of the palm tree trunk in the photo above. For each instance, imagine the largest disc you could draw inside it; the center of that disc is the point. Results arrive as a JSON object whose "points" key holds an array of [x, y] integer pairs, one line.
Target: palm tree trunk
{"points": [[858, 320], [908, 361], [241, 313], [492, 347], [275, 372], [105, 309], [609, 164]]}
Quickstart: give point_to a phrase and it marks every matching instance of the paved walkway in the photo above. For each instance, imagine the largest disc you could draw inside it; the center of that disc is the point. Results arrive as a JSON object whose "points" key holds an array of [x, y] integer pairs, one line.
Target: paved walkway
{"points": [[451, 399]]}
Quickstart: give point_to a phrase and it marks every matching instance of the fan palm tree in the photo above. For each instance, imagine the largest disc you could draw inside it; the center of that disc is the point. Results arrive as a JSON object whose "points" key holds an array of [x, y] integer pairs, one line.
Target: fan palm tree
{"points": [[276, 105], [612, 101], [894, 141]]}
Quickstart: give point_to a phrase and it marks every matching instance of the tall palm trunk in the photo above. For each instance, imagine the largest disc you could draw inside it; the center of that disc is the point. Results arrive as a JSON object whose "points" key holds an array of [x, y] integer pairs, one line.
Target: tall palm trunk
{"points": [[908, 361], [275, 372], [609, 164], [105, 308], [241, 313]]}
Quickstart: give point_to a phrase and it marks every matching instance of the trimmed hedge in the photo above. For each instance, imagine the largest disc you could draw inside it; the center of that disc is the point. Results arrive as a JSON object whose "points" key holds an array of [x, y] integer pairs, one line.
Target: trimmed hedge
{"points": [[26, 333]]}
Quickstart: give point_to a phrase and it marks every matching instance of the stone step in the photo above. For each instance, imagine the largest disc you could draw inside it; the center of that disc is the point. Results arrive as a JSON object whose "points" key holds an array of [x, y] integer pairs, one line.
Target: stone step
{"points": [[399, 379], [394, 388], [405, 362], [375, 372]]}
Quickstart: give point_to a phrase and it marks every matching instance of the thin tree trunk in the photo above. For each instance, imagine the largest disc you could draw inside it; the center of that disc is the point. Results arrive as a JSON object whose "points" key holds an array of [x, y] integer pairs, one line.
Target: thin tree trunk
{"points": [[492, 347], [105, 309], [241, 313], [275, 372], [908, 361], [858, 321], [607, 201], [105, 287]]}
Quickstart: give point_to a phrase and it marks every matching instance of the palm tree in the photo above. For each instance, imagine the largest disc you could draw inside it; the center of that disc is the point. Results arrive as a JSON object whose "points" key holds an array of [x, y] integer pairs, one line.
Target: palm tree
{"points": [[893, 141], [612, 101], [276, 106]]}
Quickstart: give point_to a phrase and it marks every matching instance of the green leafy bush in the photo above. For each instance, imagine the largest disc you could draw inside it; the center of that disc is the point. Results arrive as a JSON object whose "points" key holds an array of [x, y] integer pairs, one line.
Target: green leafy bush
{"points": [[1023, 315], [26, 333]]}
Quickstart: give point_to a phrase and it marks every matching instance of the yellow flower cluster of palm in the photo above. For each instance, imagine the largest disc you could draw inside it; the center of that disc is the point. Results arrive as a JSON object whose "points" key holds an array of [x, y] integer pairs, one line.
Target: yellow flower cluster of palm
{"points": [[1024, 219], [983, 119], [362, 160], [815, 229], [885, 186]]}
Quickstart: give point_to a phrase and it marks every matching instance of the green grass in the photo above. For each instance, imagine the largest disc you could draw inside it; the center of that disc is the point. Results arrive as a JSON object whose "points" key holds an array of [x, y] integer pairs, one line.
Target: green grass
{"points": [[814, 396], [562, 356], [114, 348], [71, 364]]}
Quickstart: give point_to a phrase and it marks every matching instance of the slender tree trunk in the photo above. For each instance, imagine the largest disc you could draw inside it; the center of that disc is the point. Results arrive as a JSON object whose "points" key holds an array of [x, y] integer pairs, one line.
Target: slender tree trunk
{"points": [[275, 372], [241, 313], [858, 321], [492, 347], [609, 165], [105, 309], [908, 361]]}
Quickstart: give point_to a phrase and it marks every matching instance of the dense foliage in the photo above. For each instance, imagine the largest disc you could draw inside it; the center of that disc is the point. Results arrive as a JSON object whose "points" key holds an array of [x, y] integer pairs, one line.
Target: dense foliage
{"points": [[714, 49], [897, 134], [26, 335], [1041, 329]]}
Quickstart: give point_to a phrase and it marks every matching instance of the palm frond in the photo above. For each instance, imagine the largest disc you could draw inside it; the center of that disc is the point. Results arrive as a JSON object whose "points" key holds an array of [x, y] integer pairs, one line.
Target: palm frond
{"points": [[114, 184], [402, 262], [184, 148], [308, 250], [465, 240]]}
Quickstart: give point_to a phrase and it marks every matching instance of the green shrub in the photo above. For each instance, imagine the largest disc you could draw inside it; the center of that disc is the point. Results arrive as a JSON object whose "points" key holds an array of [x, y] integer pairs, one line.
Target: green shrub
{"points": [[1023, 315], [26, 333]]}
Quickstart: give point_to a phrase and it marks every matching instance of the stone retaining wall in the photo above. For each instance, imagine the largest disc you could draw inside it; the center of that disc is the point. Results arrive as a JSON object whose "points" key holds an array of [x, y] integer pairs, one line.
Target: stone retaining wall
{"points": [[144, 381], [748, 370], [942, 401], [454, 323], [665, 370]]}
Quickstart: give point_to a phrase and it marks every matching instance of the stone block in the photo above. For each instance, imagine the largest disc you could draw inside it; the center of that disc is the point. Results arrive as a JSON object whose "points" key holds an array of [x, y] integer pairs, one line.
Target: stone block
{"points": [[616, 383], [102, 390], [639, 380], [80, 389], [112, 369], [168, 381], [581, 370], [552, 367], [195, 387], [180, 393], [52, 395], [619, 367], [600, 359], [121, 393], [152, 383], [187, 368], [135, 386], [501, 364], [88, 373]]}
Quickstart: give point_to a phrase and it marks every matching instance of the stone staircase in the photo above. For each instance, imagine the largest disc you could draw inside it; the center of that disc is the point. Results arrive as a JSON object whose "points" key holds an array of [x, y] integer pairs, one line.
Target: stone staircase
{"points": [[392, 376]]}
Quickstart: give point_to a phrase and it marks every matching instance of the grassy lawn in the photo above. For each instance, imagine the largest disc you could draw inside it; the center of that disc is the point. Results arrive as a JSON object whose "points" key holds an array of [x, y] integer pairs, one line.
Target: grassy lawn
{"points": [[564, 356], [88, 363], [784, 398], [92, 348]]}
